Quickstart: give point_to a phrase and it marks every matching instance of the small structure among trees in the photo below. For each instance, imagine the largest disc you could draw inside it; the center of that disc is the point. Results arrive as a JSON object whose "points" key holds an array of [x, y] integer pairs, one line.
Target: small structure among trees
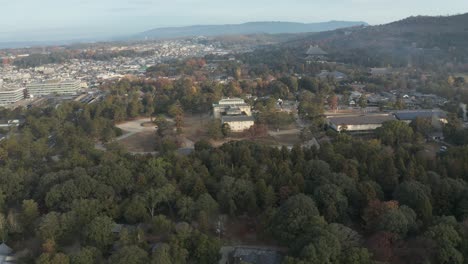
{"points": [[315, 53]]}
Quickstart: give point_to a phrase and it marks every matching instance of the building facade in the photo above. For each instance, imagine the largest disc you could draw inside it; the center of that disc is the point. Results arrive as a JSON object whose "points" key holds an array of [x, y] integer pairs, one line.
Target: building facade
{"points": [[10, 95], [238, 123], [67, 87], [358, 123], [231, 106], [435, 115]]}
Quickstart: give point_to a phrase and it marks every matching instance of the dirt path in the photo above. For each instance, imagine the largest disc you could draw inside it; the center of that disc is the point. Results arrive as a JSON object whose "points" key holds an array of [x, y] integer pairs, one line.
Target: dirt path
{"points": [[284, 132], [135, 126]]}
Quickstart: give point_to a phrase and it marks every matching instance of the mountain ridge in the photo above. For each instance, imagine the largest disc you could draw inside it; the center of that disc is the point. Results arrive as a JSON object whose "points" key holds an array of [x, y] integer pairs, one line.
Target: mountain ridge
{"points": [[257, 27], [417, 38]]}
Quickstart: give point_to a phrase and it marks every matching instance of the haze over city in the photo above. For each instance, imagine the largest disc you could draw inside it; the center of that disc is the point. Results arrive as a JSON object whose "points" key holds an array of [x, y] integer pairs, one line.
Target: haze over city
{"points": [[50, 20], [233, 132]]}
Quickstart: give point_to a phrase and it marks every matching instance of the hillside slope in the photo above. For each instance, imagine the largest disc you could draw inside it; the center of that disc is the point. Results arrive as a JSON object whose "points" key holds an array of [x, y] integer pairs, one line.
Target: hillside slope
{"points": [[413, 38], [246, 28]]}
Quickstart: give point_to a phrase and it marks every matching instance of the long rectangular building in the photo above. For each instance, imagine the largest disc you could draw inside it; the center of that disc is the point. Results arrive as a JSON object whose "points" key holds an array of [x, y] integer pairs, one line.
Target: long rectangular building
{"points": [[67, 87], [358, 123], [10, 95], [410, 115]]}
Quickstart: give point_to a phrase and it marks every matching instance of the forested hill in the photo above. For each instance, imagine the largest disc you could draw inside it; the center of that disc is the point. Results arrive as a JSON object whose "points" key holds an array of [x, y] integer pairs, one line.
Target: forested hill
{"points": [[414, 38], [246, 28]]}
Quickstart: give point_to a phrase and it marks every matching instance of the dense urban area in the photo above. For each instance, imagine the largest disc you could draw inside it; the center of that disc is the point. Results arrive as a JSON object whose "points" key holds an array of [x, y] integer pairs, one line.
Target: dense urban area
{"points": [[346, 146]]}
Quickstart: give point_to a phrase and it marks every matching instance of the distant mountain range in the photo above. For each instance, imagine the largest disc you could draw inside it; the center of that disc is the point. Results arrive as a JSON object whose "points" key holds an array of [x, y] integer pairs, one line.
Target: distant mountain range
{"points": [[246, 28]]}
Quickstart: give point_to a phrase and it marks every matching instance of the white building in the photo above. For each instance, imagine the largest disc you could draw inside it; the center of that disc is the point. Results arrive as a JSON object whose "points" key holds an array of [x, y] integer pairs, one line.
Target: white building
{"points": [[358, 123], [231, 106], [10, 95], [238, 123], [68, 87]]}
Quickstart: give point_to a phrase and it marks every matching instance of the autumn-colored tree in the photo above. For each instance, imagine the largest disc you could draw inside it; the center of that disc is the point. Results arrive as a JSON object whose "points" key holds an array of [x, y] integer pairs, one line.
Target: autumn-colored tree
{"points": [[333, 102], [381, 245], [177, 112], [375, 210]]}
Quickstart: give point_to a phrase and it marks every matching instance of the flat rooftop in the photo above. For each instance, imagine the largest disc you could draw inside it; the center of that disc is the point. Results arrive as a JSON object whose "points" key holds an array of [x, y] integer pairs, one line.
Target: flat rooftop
{"points": [[237, 118], [364, 119], [10, 88], [424, 113], [231, 101], [53, 82]]}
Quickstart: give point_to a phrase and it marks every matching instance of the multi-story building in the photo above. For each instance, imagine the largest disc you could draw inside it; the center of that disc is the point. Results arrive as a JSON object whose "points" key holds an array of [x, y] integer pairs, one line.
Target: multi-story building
{"points": [[231, 106], [238, 123], [10, 95], [67, 87], [235, 113]]}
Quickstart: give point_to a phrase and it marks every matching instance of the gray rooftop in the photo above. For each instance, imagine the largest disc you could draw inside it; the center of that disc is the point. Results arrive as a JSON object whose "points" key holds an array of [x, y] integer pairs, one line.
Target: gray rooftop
{"points": [[315, 50], [379, 71], [334, 74], [367, 119], [256, 256], [425, 113], [5, 250], [225, 119]]}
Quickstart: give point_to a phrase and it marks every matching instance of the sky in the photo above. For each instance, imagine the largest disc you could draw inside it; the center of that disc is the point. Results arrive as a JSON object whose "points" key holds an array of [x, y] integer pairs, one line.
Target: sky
{"points": [[41, 20]]}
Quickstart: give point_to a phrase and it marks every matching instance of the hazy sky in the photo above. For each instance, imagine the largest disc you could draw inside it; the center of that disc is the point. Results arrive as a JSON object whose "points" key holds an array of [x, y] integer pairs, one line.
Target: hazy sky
{"points": [[28, 20]]}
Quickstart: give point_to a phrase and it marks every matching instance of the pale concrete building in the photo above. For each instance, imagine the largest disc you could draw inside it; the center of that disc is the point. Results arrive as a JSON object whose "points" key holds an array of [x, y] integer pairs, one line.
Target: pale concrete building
{"points": [[238, 123], [231, 106], [358, 123], [10, 95], [67, 87]]}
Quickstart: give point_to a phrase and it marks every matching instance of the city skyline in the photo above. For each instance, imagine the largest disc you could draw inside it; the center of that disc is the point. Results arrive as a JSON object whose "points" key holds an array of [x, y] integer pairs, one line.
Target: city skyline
{"points": [[51, 20]]}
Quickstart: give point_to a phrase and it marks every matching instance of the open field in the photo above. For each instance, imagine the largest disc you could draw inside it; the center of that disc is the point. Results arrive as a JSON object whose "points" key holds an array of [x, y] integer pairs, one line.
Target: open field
{"points": [[194, 127], [139, 142], [136, 137], [135, 126], [139, 138]]}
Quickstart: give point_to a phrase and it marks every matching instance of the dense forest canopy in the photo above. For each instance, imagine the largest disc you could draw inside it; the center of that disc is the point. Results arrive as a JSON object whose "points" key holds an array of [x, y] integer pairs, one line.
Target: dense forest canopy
{"points": [[70, 193], [351, 201]]}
